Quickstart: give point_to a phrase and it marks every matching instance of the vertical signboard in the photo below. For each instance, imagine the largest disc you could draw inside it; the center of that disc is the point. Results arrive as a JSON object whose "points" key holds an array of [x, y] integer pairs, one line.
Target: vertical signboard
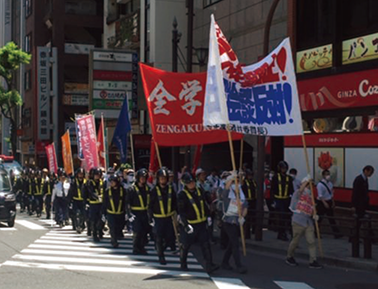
{"points": [[43, 92], [113, 76]]}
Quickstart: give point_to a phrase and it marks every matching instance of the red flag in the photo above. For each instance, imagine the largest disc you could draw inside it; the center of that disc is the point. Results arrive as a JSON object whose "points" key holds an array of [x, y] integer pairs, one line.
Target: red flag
{"points": [[51, 158], [101, 144], [88, 140], [175, 103], [154, 164], [197, 159]]}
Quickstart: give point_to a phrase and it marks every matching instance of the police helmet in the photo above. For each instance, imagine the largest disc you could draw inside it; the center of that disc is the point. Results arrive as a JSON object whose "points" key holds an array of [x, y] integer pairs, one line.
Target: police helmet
{"points": [[114, 178], [80, 171], [140, 174], [187, 178], [283, 165], [163, 172]]}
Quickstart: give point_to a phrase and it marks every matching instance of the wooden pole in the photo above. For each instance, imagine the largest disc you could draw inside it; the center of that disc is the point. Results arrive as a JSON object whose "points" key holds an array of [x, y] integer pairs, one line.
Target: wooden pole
{"points": [[132, 151], [237, 191], [158, 154], [241, 154], [312, 196]]}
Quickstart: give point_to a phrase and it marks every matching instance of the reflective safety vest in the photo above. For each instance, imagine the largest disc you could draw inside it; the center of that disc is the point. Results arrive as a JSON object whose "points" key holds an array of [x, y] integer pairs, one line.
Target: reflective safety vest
{"points": [[142, 207], [99, 193], [38, 189], [120, 204], [200, 216], [284, 195], [162, 210], [79, 195], [250, 197], [48, 189]]}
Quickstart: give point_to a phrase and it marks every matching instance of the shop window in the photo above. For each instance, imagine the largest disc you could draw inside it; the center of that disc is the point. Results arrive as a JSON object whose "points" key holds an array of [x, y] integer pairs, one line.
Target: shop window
{"points": [[28, 43], [314, 18], [27, 80], [207, 3], [28, 8]]}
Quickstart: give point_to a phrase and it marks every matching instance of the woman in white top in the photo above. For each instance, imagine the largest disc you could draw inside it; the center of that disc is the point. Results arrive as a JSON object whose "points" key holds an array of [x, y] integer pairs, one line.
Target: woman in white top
{"points": [[59, 196]]}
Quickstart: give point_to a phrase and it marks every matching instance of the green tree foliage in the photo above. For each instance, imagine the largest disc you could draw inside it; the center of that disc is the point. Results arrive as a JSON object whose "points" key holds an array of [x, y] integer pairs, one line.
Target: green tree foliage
{"points": [[11, 57]]}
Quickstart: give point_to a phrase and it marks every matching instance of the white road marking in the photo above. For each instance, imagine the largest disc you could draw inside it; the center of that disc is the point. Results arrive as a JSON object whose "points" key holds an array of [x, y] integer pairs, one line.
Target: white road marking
{"points": [[98, 261], [101, 255], [292, 285], [8, 229], [229, 283], [29, 225], [106, 269]]}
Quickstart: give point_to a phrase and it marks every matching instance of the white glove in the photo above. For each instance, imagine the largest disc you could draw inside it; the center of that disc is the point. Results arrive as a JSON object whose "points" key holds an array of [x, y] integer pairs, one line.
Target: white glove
{"points": [[315, 217], [152, 224], [103, 218], [132, 218], [232, 177], [189, 229], [241, 220], [209, 221]]}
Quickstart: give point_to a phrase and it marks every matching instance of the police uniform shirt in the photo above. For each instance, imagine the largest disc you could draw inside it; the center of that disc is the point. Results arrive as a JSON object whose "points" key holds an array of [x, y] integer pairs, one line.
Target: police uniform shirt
{"points": [[77, 190], [94, 191], [286, 184], [154, 205], [114, 201], [249, 189], [133, 197], [192, 213]]}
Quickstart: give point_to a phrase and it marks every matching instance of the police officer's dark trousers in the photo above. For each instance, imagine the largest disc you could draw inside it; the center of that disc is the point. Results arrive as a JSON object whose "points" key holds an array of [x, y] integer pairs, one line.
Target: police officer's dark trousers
{"points": [[115, 223], [141, 228], [78, 208], [165, 235], [95, 211], [48, 206]]}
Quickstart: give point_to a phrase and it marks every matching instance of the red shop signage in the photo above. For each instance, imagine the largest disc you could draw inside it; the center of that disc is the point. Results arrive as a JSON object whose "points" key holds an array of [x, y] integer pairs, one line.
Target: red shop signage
{"points": [[112, 75], [334, 140], [349, 90]]}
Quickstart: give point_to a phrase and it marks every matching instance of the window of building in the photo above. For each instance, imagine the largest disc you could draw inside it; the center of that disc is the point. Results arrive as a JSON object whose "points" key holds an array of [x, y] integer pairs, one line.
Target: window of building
{"points": [[27, 80], [28, 8], [315, 22], [28, 43], [207, 3]]}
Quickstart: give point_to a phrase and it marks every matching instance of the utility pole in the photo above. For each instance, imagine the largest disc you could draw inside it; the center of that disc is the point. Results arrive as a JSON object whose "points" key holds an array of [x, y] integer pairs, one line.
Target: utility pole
{"points": [[261, 140], [175, 41]]}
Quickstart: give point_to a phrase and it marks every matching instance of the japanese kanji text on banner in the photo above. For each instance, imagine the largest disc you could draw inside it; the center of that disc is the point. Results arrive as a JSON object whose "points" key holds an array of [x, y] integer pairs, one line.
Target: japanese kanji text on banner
{"points": [[67, 154], [88, 140], [175, 105], [260, 99], [51, 158]]}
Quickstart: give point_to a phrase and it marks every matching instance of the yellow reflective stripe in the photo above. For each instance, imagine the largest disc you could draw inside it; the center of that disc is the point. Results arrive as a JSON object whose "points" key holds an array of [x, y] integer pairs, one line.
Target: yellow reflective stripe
{"points": [[101, 194], [195, 207], [40, 190], [79, 197], [286, 195], [161, 204], [141, 202], [113, 211]]}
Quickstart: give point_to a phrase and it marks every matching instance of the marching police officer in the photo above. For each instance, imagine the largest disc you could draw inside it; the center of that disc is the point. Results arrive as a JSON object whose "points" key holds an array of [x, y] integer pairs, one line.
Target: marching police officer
{"points": [[47, 192], [21, 186], [38, 184], [30, 193], [282, 189], [138, 199], [77, 198], [194, 217], [95, 192], [249, 188], [114, 208], [161, 209]]}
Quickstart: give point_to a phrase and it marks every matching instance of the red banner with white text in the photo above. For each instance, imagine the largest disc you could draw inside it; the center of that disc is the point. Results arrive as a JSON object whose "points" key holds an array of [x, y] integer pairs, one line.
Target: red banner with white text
{"points": [[51, 158], [88, 140], [175, 103]]}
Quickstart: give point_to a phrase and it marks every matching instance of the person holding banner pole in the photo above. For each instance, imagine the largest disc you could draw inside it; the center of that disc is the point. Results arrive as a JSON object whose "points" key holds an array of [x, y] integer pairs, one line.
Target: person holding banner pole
{"points": [[77, 198]]}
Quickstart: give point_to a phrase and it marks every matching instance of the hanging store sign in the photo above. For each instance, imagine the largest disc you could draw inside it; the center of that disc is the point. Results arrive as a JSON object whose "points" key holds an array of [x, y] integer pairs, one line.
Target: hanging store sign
{"points": [[360, 49], [121, 85], [75, 99], [314, 58], [349, 90], [109, 94], [43, 92]]}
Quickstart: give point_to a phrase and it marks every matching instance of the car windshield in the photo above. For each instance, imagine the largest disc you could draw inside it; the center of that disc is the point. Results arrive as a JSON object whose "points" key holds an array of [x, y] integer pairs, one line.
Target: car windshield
{"points": [[15, 167], [4, 182]]}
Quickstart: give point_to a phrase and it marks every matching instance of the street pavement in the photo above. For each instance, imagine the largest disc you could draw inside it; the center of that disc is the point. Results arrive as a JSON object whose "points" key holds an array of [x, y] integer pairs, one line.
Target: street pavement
{"points": [[35, 254]]}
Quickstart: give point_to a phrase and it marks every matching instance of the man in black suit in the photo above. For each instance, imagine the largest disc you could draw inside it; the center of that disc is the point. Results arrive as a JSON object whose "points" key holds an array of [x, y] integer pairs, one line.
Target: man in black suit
{"points": [[360, 195]]}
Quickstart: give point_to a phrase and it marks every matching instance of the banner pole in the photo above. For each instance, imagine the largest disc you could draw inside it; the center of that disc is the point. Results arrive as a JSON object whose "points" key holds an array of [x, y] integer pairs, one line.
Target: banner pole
{"points": [[132, 150], [237, 190], [241, 154], [312, 196], [103, 140], [158, 153], [69, 145]]}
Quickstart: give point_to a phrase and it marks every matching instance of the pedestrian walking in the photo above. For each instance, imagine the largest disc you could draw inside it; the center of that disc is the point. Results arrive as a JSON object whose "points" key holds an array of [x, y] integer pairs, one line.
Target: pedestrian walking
{"points": [[249, 187], [303, 224], [296, 182], [59, 196]]}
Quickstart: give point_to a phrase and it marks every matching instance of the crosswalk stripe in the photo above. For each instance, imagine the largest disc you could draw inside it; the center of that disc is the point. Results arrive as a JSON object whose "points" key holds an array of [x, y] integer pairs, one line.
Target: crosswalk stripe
{"points": [[229, 283], [8, 229], [99, 261], [92, 249], [292, 285], [103, 269], [111, 256], [30, 225]]}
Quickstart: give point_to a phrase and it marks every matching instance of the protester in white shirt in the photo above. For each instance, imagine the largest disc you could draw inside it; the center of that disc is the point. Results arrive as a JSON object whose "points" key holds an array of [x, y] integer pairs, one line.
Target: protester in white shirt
{"points": [[59, 195], [296, 182], [326, 202]]}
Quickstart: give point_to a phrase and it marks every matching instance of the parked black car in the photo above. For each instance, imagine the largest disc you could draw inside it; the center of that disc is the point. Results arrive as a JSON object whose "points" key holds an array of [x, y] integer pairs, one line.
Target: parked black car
{"points": [[7, 199]]}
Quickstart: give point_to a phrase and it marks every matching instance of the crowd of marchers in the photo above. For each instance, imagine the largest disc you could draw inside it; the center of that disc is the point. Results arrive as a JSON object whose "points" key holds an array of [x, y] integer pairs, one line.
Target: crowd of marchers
{"points": [[157, 209]]}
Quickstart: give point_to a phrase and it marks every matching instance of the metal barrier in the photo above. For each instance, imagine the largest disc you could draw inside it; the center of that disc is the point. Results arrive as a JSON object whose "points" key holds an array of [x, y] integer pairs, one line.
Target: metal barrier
{"points": [[354, 228]]}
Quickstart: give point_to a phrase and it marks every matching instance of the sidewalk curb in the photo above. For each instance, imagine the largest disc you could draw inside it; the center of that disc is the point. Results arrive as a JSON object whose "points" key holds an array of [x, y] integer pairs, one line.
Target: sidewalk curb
{"points": [[347, 263]]}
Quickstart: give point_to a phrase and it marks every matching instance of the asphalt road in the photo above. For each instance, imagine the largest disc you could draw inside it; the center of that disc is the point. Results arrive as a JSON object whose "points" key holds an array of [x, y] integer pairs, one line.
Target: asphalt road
{"points": [[36, 255]]}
